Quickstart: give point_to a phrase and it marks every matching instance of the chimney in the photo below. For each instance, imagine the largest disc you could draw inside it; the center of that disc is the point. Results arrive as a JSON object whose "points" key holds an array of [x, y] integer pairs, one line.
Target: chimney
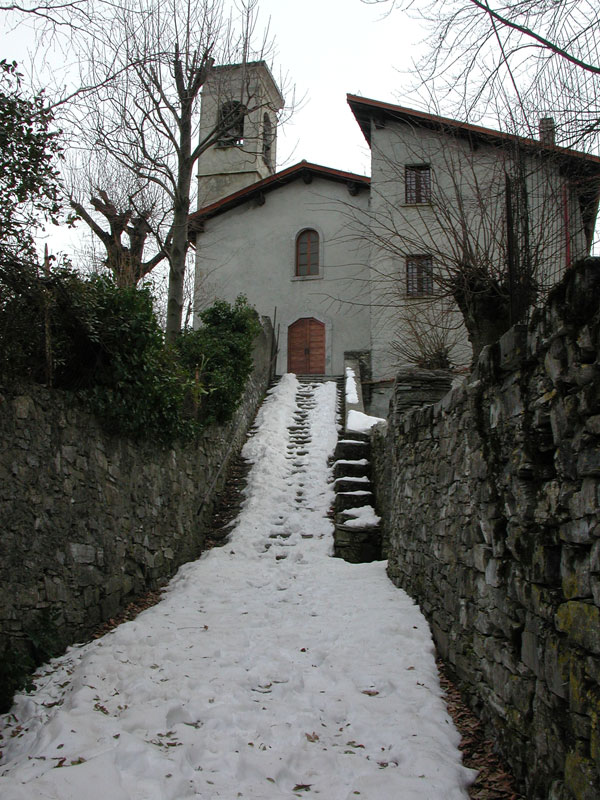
{"points": [[547, 130]]}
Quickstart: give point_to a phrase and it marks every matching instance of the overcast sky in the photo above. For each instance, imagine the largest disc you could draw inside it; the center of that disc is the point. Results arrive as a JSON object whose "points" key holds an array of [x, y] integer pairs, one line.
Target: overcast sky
{"points": [[326, 48], [329, 48]]}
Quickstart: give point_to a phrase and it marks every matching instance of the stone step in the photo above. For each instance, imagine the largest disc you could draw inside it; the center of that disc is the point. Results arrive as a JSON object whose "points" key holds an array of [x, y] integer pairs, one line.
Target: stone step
{"points": [[351, 467], [348, 483], [308, 379], [344, 500], [357, 545], [351, 450]]}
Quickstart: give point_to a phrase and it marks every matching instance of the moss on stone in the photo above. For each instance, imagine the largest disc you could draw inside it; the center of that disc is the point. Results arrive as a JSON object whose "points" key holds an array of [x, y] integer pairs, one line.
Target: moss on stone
{"points": [[581, 622], [581, 777]]}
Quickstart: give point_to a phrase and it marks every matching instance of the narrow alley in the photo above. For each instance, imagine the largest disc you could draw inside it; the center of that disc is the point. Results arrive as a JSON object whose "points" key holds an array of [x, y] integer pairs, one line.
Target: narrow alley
{"points": [[268, 670]]}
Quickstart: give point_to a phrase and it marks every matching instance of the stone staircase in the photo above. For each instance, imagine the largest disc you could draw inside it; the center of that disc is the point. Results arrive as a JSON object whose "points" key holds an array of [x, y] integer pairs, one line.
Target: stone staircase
{"points": [[357, 537]]}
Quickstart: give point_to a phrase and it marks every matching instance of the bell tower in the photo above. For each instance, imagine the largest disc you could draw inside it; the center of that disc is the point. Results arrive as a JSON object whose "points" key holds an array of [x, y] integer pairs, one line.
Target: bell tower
{"points": [[243, 100]]}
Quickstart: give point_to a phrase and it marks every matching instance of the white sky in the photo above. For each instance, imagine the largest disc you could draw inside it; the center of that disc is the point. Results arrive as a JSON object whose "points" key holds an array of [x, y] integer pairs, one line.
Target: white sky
{"points": [[329, 49], [326, 48]]}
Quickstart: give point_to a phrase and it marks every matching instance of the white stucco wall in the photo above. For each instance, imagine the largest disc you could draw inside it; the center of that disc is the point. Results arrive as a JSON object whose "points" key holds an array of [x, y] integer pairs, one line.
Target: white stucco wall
{"points": [[251, 250], [477, 175]]}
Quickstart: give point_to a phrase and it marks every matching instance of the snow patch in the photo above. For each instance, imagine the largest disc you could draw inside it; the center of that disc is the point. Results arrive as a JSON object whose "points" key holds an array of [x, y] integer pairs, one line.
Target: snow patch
{"points": [[363, 517], [361, 423], [351, 391], [266, 666]]}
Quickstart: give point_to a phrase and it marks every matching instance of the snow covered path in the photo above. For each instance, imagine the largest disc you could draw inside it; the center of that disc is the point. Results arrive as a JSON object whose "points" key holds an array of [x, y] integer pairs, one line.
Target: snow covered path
{"points": [[268, 670]]}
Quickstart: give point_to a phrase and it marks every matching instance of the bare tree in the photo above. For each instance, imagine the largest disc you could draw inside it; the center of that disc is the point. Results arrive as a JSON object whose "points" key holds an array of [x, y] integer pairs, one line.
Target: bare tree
{"points": [[431, 333], [54, 13], [120, 211], [470, 221], [514, 60], [149, 60], [125, 261]]}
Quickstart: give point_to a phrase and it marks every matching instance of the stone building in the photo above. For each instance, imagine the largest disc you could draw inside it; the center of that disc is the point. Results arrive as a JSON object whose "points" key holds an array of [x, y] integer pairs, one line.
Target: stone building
{"points": [[342, 262]]}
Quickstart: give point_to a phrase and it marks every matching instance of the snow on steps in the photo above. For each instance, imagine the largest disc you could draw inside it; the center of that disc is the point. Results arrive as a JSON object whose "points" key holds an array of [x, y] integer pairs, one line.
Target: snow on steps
{"points": [[357, 536]]}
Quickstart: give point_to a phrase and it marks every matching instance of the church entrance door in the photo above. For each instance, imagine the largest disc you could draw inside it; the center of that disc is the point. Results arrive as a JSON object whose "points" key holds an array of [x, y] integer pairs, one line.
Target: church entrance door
{"points": [[306, 347]]}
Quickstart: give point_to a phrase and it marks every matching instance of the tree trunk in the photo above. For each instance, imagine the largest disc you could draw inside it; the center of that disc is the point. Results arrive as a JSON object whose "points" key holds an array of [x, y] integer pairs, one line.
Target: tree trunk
{"points": [[485, 306], [179, 239]]}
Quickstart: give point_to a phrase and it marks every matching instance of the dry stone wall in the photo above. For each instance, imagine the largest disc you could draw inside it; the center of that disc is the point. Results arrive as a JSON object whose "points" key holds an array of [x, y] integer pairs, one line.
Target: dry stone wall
{"points": [[88, 520], [490, 505]]}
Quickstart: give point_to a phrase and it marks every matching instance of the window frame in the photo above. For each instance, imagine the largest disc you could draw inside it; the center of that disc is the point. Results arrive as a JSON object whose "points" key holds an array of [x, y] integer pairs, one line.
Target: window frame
{"points": [[233, 134], [419, 275], [312, 250], [417, 187], [267, 141]]}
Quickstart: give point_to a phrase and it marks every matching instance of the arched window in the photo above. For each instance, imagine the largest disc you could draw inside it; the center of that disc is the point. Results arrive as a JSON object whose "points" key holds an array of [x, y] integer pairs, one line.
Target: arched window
{"points": [[307, 253], [267, 139], [231, 123]]}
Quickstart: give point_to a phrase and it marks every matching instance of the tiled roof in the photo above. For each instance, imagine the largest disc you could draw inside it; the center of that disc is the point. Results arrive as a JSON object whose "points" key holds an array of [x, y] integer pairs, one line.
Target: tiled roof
{"points": [[366, 109], [304, 169]]}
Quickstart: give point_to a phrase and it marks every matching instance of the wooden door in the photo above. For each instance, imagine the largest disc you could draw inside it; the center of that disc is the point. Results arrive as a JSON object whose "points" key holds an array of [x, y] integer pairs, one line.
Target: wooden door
{"points": [[306, 347]]}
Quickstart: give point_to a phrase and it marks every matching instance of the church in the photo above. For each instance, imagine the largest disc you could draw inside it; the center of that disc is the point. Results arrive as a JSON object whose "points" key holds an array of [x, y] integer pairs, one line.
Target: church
{"points": [[343, 263]]}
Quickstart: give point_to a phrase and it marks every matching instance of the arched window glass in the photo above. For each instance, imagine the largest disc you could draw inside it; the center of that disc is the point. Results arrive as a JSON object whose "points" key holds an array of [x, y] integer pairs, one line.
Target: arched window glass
{"points": [[231, 123], [307, 253], [267, 139]]}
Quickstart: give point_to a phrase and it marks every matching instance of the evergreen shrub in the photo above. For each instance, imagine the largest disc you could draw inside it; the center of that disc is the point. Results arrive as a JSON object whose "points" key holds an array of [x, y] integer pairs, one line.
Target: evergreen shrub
{"points": [[104, 342], [221, 353]]}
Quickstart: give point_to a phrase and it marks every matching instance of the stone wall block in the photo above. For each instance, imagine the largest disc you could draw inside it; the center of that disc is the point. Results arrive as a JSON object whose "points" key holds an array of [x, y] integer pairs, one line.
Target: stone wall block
{"points": [[555, 361], [90, 520], [532, 652], [544, 601], [82, 553], [586, 345], [557, 667], [580, 621], [585, 501], [588, 462], [592, 424], [513, 492], [512, 348], [575, 572], [589, 398]]}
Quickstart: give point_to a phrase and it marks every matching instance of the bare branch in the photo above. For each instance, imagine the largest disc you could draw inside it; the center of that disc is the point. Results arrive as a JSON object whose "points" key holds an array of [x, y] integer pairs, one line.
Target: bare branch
{"points": [[536, 36]]}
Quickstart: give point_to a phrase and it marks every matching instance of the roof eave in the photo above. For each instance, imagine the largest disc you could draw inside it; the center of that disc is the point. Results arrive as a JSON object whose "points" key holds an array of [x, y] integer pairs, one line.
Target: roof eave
{"points": [[273, 182], [365, 109]]}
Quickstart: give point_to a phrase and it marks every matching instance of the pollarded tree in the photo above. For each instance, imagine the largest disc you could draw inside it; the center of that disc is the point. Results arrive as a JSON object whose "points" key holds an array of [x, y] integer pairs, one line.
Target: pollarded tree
{"points": [[145, 119], [124, 260], [122, 214]]}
